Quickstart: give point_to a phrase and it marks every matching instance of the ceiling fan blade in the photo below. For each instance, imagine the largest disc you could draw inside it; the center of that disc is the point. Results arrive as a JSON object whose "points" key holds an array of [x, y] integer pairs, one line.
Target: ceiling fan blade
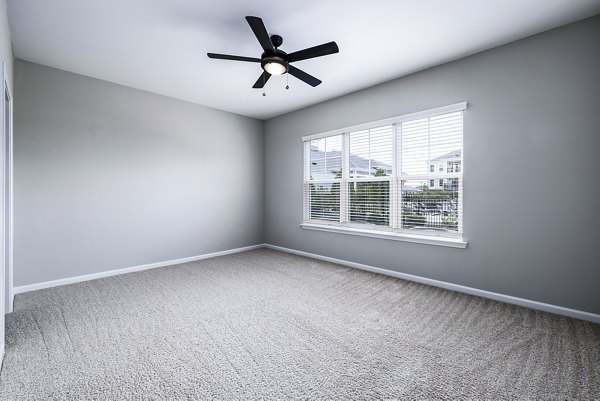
{"points": [[260, 32], [301, 75], [311, 52], [234, 58], [262, 80]]}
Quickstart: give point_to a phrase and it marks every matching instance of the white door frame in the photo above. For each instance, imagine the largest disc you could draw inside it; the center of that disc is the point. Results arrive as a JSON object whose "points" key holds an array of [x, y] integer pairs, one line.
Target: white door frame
{"points": [[8, 196], [2, 214]]}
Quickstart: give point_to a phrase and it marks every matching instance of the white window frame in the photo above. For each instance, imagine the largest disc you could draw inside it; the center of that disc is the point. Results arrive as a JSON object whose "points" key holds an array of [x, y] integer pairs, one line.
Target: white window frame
{"points": [[385, 232]]}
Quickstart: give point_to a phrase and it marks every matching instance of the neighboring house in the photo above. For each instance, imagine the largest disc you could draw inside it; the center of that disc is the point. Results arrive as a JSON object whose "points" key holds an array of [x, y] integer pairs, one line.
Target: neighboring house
{"points": [[447, 163], [328, 165]]}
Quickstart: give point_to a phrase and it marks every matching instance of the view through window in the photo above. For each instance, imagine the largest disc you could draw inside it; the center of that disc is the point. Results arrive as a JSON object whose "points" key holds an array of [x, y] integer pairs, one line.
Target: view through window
{"points": [[400, 175]]}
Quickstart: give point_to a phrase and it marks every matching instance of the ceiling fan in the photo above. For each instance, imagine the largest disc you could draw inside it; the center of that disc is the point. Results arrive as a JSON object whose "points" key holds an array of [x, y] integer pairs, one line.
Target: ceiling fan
{"points": [[277, 62]]}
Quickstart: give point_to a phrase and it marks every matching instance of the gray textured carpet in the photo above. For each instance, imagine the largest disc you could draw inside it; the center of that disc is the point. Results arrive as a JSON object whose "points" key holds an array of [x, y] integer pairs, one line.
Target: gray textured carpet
{"points": [[264, 324]]}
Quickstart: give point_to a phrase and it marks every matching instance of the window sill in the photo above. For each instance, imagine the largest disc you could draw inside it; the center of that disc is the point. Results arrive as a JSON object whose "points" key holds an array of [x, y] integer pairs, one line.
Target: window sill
{"points": [[419, 239]]}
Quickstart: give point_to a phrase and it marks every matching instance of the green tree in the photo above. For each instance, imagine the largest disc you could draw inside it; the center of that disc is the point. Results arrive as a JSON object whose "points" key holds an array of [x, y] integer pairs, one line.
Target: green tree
{"points": [[450, 222], [370, 201]]}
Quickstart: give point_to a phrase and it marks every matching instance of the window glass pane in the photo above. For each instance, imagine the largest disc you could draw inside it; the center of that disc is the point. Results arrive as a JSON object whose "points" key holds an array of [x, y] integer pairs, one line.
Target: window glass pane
{"points": [[430, 209], [323, 201], [414, 143], [371, 152], [326, 158], [369, 202], [432, 144]]}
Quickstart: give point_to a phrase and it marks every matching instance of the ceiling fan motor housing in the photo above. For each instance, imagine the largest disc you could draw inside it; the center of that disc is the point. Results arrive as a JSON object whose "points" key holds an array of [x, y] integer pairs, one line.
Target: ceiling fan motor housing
{"points": [[276, 40]]}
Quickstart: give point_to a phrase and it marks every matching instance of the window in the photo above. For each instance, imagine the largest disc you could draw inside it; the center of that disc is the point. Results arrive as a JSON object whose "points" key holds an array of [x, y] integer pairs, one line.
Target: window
{"points": [[379, 178], [454, 167]]}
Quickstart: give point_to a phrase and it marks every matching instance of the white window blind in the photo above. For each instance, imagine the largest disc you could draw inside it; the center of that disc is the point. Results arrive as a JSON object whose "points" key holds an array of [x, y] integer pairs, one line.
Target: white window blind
{"points": [[400, 175], [323, 166]]}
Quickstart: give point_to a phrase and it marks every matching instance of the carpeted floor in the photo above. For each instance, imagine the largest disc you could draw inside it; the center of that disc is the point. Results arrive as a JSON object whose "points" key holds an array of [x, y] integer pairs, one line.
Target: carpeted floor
{"points": [[269, 325]]}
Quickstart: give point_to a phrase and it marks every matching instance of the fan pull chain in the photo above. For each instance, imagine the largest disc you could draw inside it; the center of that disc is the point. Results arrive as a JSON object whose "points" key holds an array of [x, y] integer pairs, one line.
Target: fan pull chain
{"points": [[264, 83], [287, 81]]}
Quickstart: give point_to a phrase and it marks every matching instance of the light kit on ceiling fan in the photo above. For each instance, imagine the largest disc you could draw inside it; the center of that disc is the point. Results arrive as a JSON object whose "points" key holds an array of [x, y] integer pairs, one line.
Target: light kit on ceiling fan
{"points": [[275, 67], [275, 61]]}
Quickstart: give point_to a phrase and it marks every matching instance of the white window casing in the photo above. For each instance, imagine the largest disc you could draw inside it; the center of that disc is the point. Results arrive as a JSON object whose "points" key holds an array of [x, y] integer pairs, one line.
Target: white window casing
{"points": [[373, 179]]}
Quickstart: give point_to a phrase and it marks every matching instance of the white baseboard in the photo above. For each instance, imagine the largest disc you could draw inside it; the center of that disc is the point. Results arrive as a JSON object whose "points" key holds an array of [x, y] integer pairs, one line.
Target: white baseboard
{"points": [[77, 279], [559, 310]]}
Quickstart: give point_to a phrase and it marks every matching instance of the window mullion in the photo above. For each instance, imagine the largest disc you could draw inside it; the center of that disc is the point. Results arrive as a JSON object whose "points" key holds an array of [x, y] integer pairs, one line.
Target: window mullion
{"points": [[394, 182], [460, 206], [306, 186], [460, 179], [344, 179], [398, 150]]}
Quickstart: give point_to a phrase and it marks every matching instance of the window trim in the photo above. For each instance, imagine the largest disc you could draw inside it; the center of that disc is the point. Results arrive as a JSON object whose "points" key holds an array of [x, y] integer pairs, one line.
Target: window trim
{"points": [[389, 121], [343, 227], [389, 235]]}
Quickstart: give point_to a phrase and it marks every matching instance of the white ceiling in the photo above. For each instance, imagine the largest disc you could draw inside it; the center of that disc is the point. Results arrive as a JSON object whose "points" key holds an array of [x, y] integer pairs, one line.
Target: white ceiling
{"points": [[160, 45]]}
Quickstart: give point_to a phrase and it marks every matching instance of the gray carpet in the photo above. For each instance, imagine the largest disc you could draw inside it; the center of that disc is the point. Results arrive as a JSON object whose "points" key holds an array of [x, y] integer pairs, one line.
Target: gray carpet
{"points": [[268, 325]]}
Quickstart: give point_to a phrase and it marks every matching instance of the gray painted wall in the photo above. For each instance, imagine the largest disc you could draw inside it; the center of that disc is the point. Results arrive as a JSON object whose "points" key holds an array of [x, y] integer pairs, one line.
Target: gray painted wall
{"points": [[108, 177], [532, 162]]}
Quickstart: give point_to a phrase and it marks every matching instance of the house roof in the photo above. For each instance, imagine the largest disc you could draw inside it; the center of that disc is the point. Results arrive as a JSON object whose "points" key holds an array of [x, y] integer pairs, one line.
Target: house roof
{"points": [[450, 155], [334, 160]]}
